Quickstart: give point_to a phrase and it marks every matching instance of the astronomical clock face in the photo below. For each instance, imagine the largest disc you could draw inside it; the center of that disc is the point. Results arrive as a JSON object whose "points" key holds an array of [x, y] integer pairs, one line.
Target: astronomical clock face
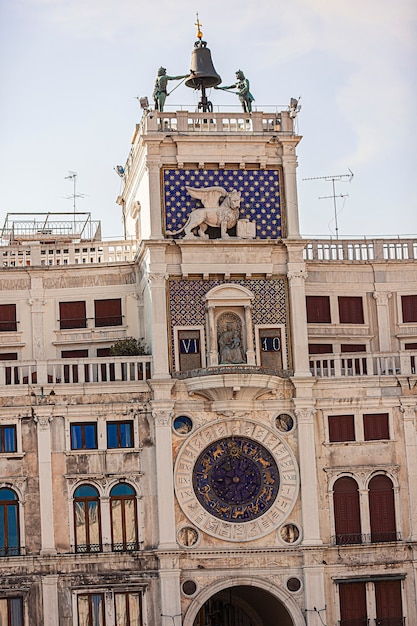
{"points": [[236, 481]]}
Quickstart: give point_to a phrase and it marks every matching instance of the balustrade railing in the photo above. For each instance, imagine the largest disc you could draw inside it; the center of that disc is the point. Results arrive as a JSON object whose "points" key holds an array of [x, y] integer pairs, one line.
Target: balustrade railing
{"points": [[84, 371], [363, 364], [361, 250]]}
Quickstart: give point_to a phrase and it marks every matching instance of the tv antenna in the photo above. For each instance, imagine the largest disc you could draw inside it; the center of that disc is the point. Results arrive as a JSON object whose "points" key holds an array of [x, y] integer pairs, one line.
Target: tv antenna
{"points": [[73, 176], [333, 179]]}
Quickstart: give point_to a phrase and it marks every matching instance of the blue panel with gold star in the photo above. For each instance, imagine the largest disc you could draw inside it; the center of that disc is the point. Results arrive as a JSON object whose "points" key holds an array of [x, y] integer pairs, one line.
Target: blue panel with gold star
{"points": [[260, 192]]}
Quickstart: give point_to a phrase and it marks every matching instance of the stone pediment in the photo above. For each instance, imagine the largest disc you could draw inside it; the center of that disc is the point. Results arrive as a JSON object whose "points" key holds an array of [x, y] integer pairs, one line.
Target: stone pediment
{"points": [[229, 294]]}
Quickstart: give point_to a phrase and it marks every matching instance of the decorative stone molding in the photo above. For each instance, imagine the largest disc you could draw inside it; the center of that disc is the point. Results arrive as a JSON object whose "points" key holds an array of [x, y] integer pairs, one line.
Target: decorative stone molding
{"points": [[361, 474], [305, 415], [43, 421], [297, 277], [409, 412]]}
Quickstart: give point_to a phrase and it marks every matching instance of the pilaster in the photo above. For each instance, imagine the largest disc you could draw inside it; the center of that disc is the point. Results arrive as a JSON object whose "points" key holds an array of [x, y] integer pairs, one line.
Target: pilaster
{"points": [[43, 420], [297, 275], [289, 165], [157, 281], [50, 600], [382, 310], [408, 409]]}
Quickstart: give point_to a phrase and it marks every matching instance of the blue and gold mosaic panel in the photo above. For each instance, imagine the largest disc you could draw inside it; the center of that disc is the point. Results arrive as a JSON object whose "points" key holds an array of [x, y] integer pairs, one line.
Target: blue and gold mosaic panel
{"points": [[187, 305], [260, 192]]}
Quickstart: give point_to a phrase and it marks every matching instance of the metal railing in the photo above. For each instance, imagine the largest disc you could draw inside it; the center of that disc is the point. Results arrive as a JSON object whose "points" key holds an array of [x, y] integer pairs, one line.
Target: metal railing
{"points": [[360, 538], [76, 371]]}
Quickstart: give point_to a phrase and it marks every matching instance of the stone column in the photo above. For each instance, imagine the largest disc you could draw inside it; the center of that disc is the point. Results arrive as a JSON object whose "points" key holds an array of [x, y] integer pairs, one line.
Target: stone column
{"points": [[382, 311], [289, 166], [308, 474], [50, 600], [169, 576], [314, 593], [159, 324], [408, 409], [213, 355], [164, 476], [299, 337], [250, 352], [43, 420]]}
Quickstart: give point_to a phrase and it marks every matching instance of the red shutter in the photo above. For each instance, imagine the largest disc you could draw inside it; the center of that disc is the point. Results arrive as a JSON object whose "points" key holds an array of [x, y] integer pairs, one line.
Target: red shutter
{"points": [[375, 426], [346, 511], [341, 428], [72, 315], [108, 312], [353, 347], [409, 307], [388, 601], [320, 348], [318, 309], [350, 310], [353, 604], [381, 509], [8, 317]]}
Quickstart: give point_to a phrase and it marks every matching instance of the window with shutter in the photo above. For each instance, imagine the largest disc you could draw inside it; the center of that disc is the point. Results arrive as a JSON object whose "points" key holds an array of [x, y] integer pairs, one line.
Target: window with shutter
{"points": [[351, 310], [352, 598], [8, 317], [389, 611], [72, 315], [409, 308], [318, 309], [108, 312], [382, 509], [346, 511], [320, 348], [341, 428], [375, 426]]}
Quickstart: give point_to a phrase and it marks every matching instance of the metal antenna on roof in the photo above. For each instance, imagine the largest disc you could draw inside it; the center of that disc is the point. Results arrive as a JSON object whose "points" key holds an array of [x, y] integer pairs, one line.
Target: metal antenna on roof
{"points": [[333, 179], [73, 176]]}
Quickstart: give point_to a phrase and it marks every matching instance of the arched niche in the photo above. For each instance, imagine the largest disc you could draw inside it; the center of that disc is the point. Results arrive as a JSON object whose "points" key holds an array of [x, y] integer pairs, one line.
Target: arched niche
{"points": [[229, 323]]}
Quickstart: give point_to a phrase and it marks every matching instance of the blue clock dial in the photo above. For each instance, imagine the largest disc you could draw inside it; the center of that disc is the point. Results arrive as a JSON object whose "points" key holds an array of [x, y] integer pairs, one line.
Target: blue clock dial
{"points": [[236, 479]]}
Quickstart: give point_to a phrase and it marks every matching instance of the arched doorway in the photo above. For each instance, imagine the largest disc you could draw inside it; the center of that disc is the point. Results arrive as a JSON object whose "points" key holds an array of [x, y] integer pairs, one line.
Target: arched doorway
{"points": [[245, 605]]}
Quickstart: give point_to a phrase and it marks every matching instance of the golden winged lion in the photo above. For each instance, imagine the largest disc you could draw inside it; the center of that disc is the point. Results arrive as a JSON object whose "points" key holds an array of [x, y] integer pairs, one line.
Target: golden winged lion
{"points": [[219, 212]]}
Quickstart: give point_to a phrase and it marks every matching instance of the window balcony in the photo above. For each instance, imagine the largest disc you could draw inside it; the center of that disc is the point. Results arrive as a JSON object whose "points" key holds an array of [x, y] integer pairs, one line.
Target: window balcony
{"points": [[105, 370], [361, 538], [363, 364]]}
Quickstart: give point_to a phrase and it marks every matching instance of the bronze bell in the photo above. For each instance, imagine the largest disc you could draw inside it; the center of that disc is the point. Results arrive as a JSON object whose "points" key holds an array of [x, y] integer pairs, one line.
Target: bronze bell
{"points": [[202, 72]]}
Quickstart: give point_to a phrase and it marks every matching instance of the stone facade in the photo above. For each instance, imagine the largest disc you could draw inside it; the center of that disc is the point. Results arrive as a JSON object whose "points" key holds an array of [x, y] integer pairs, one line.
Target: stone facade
{"points": [[258, 466]]}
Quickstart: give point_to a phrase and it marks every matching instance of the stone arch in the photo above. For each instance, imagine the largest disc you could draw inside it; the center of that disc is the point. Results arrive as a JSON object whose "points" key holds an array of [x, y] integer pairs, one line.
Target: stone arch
{"points": [[280, 595]]}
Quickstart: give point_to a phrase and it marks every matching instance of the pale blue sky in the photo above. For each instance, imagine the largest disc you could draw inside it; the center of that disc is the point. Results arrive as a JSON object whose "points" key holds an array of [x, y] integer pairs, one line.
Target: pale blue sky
{"points": [[70, 71]]}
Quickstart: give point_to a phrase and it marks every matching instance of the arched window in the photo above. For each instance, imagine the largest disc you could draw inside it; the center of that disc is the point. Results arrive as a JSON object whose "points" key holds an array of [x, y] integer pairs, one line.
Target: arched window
{"points": [[123, 518], [9, 523], [381, 509], [87, 519], [346, 511]]}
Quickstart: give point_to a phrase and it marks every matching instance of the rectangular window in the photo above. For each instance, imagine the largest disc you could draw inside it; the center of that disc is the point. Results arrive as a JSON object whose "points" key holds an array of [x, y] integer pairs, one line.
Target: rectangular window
{"points": [[8, 317], [341, 428], [189, 348], [108, 312], [351, 310], [11, 611], [389, 611], [8, 438], [120, 434], [320, 348], [91, 609], [128, 609], [84, 436], [270, 348], [353, 604], [409, 308], [375, 426], [318, 309], [72, 315]]}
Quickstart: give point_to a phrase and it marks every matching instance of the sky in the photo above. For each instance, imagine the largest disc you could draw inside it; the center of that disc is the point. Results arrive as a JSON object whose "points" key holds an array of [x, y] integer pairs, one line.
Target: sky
{"points": [[71, 72]]}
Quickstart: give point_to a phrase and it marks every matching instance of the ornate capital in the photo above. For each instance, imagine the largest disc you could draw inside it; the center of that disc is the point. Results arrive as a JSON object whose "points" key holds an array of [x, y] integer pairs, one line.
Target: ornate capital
{"points": [[382, 297], [157, 279], [305, 415], [162, 417], [43, 421], [297, 277], [408, 411]]}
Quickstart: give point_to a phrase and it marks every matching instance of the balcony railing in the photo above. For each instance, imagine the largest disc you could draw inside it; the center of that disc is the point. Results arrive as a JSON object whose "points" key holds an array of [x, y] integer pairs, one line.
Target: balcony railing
{"points": [[361, 250], [378, 621], [27, 255], [358, 538], [363, 364], [76, 371]]}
